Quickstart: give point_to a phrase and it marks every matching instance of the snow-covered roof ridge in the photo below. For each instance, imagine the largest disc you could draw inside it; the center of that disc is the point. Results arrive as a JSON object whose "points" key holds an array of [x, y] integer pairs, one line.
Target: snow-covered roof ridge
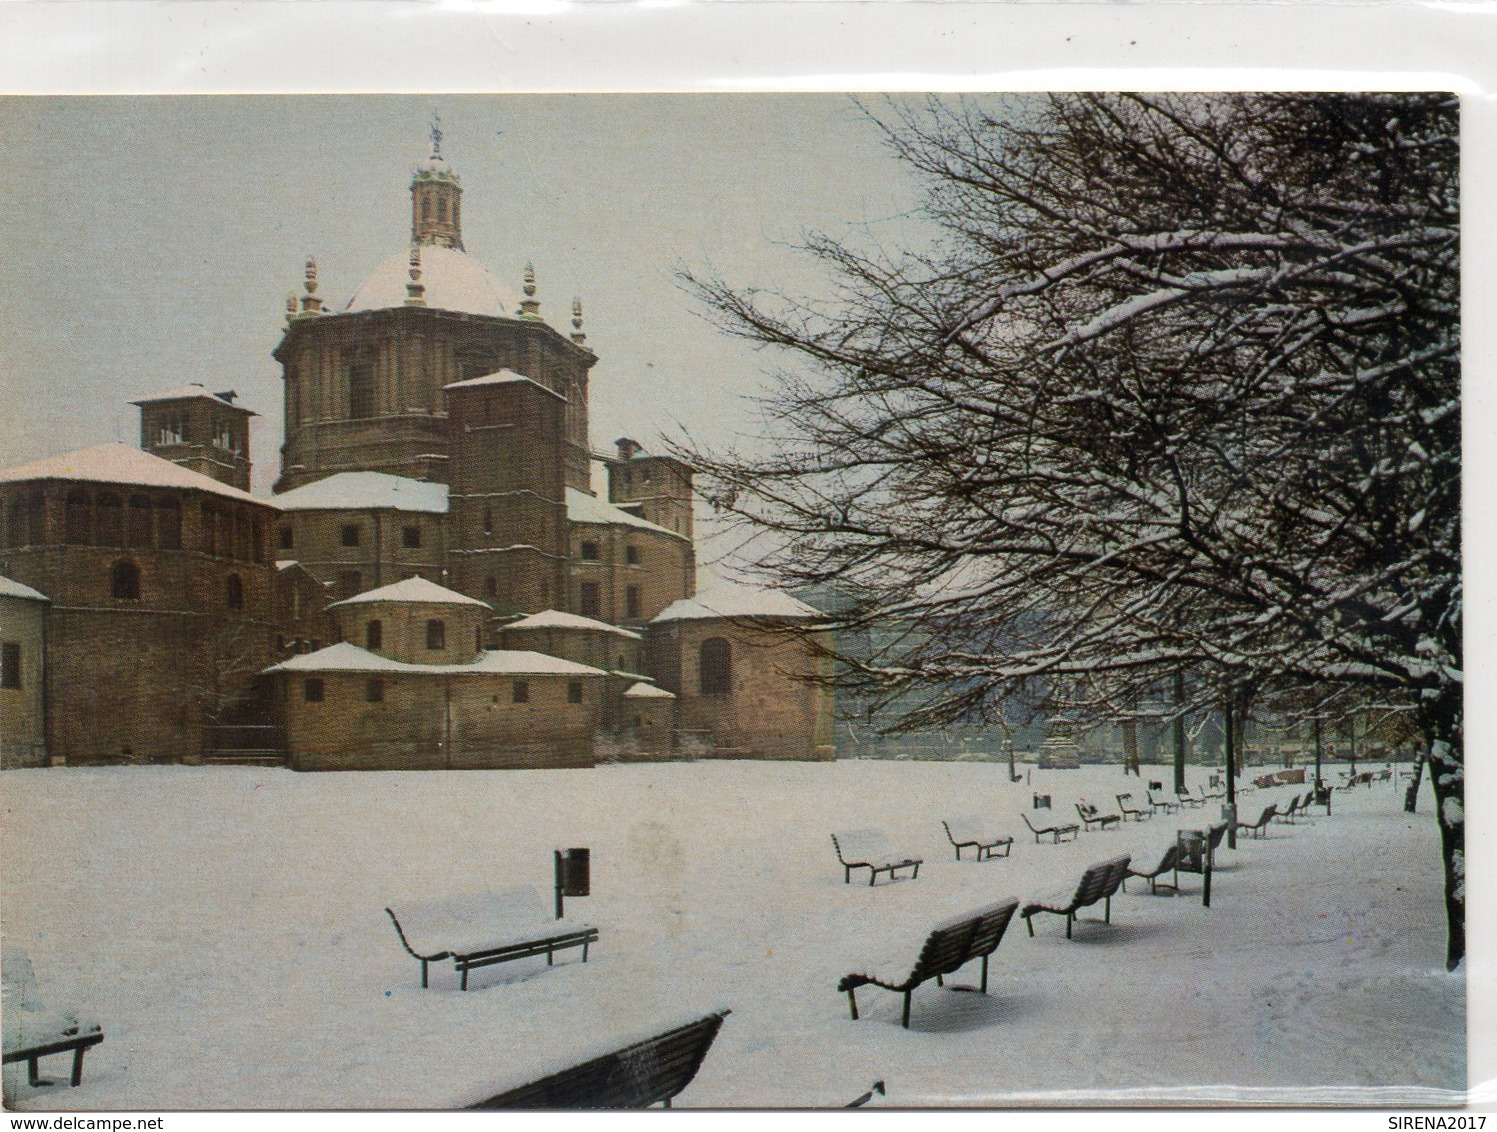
{"points": [[411, 590], [9, 587], [360, 490], [584, 508], [346, 657], [119, 463], [725, 599], [502, 377], [453, 281], [194, 389], [556, 619], [643, 691]]}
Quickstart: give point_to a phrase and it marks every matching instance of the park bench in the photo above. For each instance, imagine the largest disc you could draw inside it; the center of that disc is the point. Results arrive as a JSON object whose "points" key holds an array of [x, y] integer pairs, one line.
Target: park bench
{"points": [[1164, 804], [1286, 815], [1090, 816], [951, 944], [867, 849], [1098, 883], [1166, 864], [1057, 832], [31, 1031], [969, 832], [1137, 813], [486, 928], [1186, 798], [646, 1069], [1259, 828]]}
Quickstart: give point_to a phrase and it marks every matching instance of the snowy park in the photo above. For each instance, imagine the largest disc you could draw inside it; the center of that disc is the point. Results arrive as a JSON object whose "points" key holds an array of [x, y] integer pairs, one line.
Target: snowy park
{"points": [[226, 928]]}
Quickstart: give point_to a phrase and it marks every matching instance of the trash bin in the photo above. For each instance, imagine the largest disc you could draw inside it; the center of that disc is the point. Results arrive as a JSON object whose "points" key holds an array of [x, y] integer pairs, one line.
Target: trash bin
{"points": [[576, 872], [1190, 851]]}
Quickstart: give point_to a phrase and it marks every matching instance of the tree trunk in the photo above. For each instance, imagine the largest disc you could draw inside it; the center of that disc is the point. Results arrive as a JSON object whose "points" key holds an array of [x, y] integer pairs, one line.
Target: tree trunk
{"points": [[1179, 733], [1411, 796], [1443, 728], [1130, 748]]}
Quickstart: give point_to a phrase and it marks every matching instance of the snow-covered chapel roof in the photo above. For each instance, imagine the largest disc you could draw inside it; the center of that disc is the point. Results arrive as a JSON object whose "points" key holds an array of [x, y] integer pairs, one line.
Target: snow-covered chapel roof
{"points": [[362, 490], [411, 590], [11, 588], [731, 600], [346, 657], [556, 619], [584, 508], [118, 463]]}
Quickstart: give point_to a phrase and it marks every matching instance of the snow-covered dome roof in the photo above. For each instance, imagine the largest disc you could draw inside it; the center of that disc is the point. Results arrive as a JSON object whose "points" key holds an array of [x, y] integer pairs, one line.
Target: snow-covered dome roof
{"points": [[454, 281], [733, 600]]}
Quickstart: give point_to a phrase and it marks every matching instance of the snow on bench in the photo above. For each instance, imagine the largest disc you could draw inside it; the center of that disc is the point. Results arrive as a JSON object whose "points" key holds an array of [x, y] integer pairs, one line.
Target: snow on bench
{"points": [[1098, 883], [967, 832], [633, 1072], [31, 1031], [950, 945], [867, 849], [486, 928]]}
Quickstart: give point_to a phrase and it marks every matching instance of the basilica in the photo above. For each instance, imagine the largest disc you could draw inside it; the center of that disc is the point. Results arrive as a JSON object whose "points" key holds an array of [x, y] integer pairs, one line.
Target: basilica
{"points": [[435, 582]]}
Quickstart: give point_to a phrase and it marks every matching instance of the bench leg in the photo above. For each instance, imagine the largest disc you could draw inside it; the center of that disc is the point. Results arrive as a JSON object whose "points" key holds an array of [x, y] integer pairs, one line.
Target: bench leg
{"points": [[939, 983], [78, 1066], [906, 1020], [984, 974], [549, 957], [1029, 923], [423, 974], [852, 1003], [33, 1078], [1107, 910], [584, 951], [465, 978], [1069, 917], [846, 874], [916, 874]]}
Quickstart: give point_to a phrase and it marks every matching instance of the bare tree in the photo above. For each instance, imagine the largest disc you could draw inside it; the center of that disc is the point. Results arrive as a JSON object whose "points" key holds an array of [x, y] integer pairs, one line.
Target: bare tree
{"points": [[1176, 388]]}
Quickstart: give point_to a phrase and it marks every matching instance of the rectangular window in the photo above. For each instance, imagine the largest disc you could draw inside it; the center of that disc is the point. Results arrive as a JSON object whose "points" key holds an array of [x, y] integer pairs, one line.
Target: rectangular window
{"points": [[410, 537], [574, 692], [520, 692], [374, 635], [312, 690], [288, 540], [588, 552], [631, 555], [374, 690], [436, 634], [350, 583], [589, 602], [361, 390], [631, 602], [10, 664], [351, 535]]}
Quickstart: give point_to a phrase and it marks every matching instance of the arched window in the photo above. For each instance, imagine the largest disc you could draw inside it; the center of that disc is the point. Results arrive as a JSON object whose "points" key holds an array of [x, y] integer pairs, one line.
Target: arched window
{"points": [[436, 634], [124, 581], [169, 523], [234, 592], [715, 667], [425, 207], [491, 587], [210, 530], [110, 521], [374, 635], [76, 522], [138, 522]]}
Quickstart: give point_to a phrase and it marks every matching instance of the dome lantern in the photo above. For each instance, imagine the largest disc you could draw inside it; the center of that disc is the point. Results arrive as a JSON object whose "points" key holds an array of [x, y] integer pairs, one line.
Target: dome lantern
{"points": [[436, 198]]}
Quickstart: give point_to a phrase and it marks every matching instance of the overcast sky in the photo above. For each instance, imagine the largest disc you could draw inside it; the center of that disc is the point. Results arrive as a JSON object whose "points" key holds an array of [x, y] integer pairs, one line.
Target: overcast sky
{"points": [[154, 240]]}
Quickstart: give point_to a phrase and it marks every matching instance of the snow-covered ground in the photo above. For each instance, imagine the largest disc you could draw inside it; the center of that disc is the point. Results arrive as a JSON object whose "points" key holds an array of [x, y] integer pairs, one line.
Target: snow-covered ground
{"points": [[226, 926]]}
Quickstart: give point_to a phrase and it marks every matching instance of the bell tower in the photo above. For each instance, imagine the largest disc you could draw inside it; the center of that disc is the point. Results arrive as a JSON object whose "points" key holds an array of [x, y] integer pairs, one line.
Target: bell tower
{"points": [[436, 199]]}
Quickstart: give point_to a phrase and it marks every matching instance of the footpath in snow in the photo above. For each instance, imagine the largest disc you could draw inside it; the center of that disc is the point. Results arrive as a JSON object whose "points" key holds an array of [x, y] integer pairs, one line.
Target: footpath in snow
{"points": [[226, 927]]}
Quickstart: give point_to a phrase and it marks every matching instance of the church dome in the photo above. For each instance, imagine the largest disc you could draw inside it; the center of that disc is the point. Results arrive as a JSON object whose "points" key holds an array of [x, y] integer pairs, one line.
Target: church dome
{"points": [[453, 281]]}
